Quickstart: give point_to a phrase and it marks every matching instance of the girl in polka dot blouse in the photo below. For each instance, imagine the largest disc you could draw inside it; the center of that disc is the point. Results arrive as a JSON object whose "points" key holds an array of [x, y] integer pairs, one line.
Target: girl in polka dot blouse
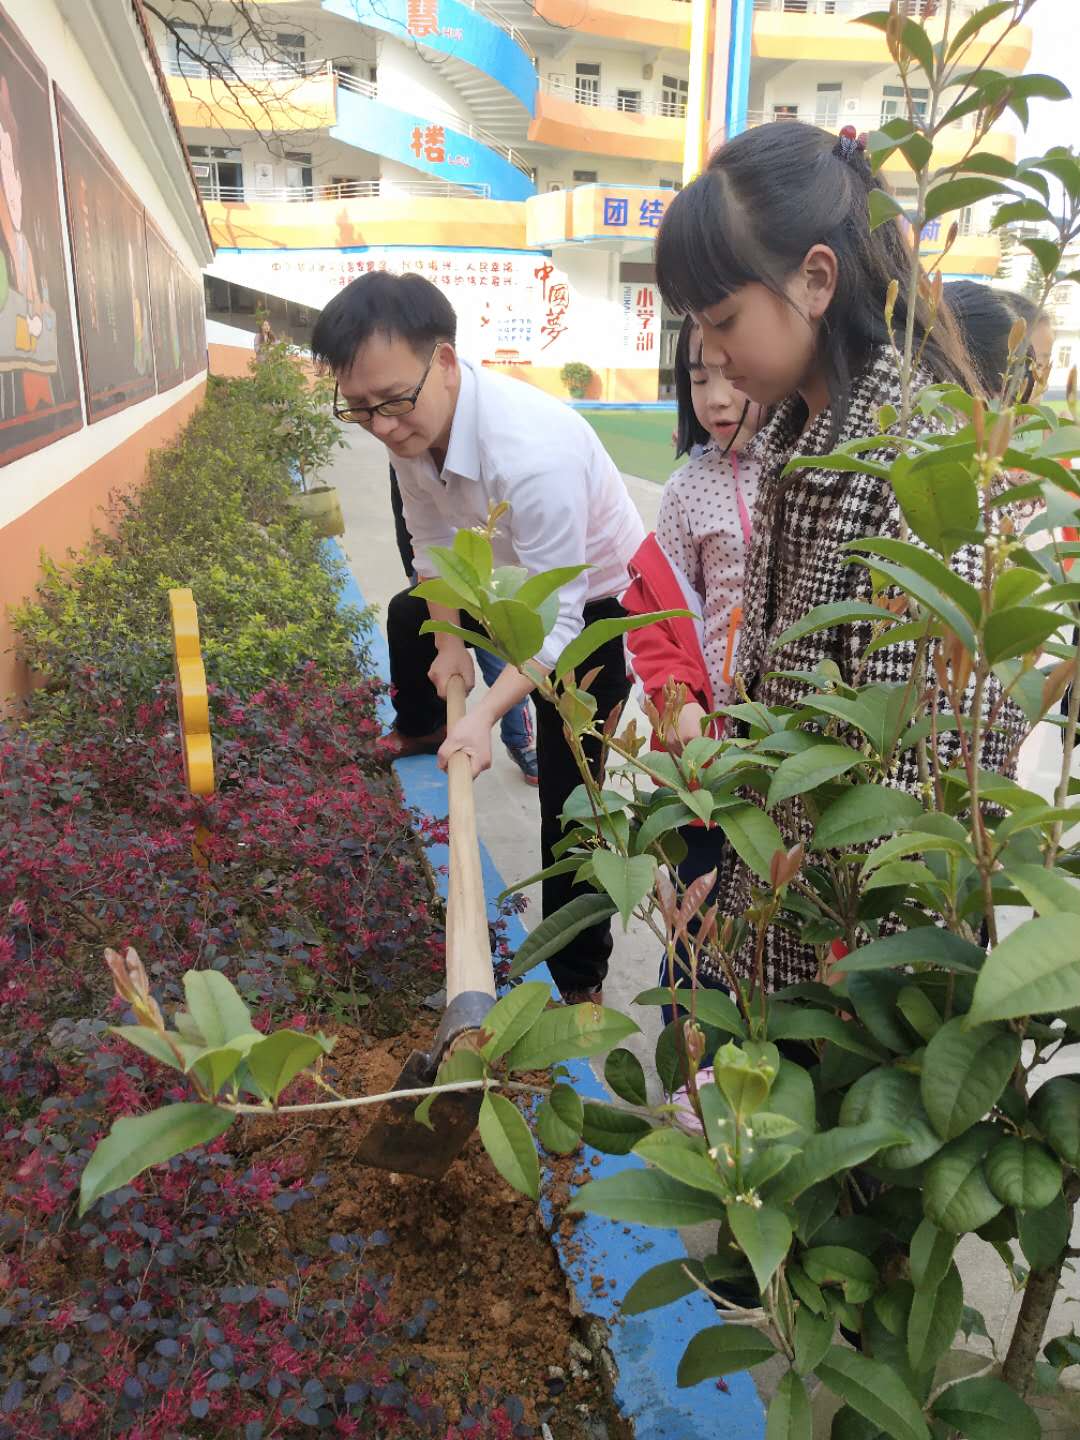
{"points": [[697, 555]]}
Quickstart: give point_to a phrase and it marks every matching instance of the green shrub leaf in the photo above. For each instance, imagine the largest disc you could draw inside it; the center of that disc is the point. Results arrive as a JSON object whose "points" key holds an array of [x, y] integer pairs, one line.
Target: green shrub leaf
{"points": [[511, 1017], [661, 1285], [611, 1130], [1034, 970], [789, 1415], [1055, 1108], [647, 1197], [556, 931], [136, 1142], [964, 1072], [875, 1392], [723, 1350], [560, 1120], [934, 1320], [277, 1060], [508, 1140], [763, 1234], [216, 1007], [1023, 1174], [624, 1075], [987, 1409], [569, 1032], [626, 878]]}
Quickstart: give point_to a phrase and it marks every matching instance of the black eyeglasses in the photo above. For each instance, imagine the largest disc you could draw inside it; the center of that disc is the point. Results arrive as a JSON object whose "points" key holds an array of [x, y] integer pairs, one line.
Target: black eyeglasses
{"points": [[365, 414]]}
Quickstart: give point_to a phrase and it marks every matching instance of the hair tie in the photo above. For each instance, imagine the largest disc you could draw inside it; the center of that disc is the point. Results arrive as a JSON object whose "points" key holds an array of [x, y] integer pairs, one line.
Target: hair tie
{"points": [[849, 146]]}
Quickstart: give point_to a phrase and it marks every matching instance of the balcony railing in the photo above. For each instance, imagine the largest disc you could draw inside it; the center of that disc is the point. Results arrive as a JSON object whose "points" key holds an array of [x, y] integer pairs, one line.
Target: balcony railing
{"points": [[345, 190], [243, 66], [863, 121], [845, 9], [370, 90], [580, 94]]}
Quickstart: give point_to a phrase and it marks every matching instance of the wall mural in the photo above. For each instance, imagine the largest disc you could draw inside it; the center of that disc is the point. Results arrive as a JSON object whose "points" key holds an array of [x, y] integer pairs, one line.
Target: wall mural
{"points": [[166, 277], [39, 388], [192, 324], [112, 299]]}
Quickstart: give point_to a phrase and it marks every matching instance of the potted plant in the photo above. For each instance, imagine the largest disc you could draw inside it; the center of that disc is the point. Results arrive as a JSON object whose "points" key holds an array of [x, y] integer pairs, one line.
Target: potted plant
{"points": [[577, 377]]}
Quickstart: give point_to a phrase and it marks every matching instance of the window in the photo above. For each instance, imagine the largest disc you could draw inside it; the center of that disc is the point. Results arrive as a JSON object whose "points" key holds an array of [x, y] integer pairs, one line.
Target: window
{"points": [[298, 171], [218, 171], [292, 49], [585, 177], [894, 104], [673, 95], [628, 100], [785, 112], [187, 49], [827, 110], [1064, 358], [587, 83]]}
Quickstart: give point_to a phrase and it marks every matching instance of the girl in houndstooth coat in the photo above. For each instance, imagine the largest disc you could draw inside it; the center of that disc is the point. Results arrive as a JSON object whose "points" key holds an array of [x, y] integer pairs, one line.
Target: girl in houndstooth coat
{"points": [[771, 251]]}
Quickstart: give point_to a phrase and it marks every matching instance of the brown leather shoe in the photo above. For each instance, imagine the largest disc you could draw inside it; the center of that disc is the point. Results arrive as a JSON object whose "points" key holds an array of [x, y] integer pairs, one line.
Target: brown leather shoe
{"points": [[583, 997], [399, 746]]}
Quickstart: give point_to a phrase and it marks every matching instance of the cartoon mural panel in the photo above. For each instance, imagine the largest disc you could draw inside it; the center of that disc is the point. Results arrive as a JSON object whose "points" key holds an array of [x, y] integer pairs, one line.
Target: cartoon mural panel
{"points": [[39, 387], [165, 281], [112, 298]]}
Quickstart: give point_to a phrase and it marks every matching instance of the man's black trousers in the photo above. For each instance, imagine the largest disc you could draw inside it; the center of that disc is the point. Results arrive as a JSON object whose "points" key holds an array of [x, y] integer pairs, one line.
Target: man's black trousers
{"points": [[584, 963]]}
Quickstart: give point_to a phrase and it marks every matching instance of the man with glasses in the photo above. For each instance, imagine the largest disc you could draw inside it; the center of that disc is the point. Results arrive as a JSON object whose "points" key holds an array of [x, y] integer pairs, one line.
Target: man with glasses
{"points": [[461, 440]]}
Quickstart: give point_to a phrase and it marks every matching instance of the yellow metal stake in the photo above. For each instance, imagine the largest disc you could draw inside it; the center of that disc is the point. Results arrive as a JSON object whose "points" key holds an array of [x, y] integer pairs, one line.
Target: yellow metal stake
{"points": [[192, 705]]}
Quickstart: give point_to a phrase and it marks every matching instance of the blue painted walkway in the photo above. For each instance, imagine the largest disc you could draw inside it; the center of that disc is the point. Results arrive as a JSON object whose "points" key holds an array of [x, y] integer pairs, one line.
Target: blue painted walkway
{"points": [[646, 1348]]}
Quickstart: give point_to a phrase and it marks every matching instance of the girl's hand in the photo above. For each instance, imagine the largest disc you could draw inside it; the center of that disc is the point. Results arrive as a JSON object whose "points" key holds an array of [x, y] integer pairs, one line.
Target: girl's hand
{"points": [[689, 726]]}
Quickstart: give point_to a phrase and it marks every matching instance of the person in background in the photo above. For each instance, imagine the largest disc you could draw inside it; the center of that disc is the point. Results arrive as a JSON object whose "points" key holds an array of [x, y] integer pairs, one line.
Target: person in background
{"points": [[985, 317], [464, 440], [422, 728], [771, 251], [697, 560], [265, 338]]}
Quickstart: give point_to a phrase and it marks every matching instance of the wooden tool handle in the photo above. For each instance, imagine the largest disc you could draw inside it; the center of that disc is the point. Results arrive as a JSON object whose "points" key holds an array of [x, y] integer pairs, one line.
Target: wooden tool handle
{"points": [[468, 947]]}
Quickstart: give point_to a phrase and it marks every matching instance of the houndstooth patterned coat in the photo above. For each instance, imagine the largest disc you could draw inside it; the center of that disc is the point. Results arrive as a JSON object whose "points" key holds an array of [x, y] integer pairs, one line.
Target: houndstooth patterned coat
{"points": [[796, 561]]}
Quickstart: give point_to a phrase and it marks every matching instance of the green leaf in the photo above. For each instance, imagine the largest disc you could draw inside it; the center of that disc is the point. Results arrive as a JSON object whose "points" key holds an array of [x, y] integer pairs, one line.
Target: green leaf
{"points": [[934, 1321], [513, 1016], [874, 1391], [763, 1235], [786, 1022], [1023, 1174], [277, 1060], [1043, 1234], [469, 637], [956, 1196], [517, 630], [946, 195], [611, 1130], [789, 1415], [681, 1156], [569, 1032], [974, 23], [883, 206], [813, 1336], [457, 573], [810, 768], [508, 1140], [830, 1151], [560, 1120], [792, 1096], [216, 1007], [1035, 970], [964, 1071], [624, 1075], [837, 1265], [936, 598], [475, 551], [928, 945], [1046, 252], [438, 592], [136, 1142], [626, 878], [151, 1042], [753, 836], [825, 617], [647, 1197], [931, 1255], [601, 631], [938, 497], [556, 931], [1048, 891], [713, 1007], [1017, 631], [863, 813], [723, 1350], [463, 1063], [1055, 1108], [536, 589], [987, 1409], [213, 1068], [661, 1285], [892, 1097]]}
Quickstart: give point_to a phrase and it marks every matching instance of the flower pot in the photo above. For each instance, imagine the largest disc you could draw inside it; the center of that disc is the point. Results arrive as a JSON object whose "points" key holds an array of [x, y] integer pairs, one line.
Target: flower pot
{"points": [[321, 508]]}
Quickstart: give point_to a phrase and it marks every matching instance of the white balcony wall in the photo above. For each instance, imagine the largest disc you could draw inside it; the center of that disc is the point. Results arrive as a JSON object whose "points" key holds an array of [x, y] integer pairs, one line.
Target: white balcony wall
{"points": [[559, 168], [619, 69]]}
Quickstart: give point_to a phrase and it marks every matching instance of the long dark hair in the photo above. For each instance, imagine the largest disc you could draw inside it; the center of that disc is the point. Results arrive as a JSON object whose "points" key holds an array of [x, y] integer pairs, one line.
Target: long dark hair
{"points": [[767, 197], [689, 430], [984, 318]]}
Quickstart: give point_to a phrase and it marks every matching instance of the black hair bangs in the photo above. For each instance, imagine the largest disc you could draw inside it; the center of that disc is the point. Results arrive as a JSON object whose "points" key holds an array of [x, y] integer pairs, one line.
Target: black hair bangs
{"points": [[704, 249], [379, 303]]}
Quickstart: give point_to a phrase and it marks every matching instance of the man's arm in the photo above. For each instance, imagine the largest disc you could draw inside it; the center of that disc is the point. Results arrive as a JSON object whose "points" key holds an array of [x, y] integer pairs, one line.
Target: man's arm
{"points": [[451, 654]]}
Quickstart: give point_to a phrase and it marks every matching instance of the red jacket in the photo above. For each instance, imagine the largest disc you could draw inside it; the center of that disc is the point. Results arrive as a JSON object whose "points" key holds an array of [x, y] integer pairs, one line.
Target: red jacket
{"points": [[670, 649]]}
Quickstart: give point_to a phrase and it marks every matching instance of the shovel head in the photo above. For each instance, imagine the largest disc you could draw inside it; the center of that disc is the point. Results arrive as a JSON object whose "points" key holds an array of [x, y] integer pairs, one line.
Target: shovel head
{"points": [[397, 1141]]}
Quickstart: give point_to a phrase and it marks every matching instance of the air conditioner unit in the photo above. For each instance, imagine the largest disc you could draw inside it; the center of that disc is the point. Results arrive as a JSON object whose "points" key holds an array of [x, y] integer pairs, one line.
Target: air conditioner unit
{"points": [[201, 172], [554, 185]]}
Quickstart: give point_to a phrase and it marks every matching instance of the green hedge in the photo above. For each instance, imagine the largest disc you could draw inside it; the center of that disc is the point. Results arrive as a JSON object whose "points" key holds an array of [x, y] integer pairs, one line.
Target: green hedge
{"points": [[213, 515]]}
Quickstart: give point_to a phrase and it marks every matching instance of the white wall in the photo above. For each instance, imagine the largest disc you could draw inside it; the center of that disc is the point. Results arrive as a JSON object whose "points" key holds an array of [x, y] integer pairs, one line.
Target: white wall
{"points": [[559, 165], [619, 69], [408, 82], [796, 84], [26, 482]]}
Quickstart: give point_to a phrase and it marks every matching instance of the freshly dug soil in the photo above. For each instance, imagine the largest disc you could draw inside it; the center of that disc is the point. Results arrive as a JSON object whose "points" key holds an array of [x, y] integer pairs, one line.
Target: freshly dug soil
{"points": [[503, 1323]]}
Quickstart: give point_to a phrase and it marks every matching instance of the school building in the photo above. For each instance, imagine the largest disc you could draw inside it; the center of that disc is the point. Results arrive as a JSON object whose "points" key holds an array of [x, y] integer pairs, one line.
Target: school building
{"points": [[521, 153]]}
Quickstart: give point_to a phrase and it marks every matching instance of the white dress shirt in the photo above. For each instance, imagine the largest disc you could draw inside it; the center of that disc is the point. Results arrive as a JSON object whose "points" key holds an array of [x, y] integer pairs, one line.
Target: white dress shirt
{"points": [[568, 504]]}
